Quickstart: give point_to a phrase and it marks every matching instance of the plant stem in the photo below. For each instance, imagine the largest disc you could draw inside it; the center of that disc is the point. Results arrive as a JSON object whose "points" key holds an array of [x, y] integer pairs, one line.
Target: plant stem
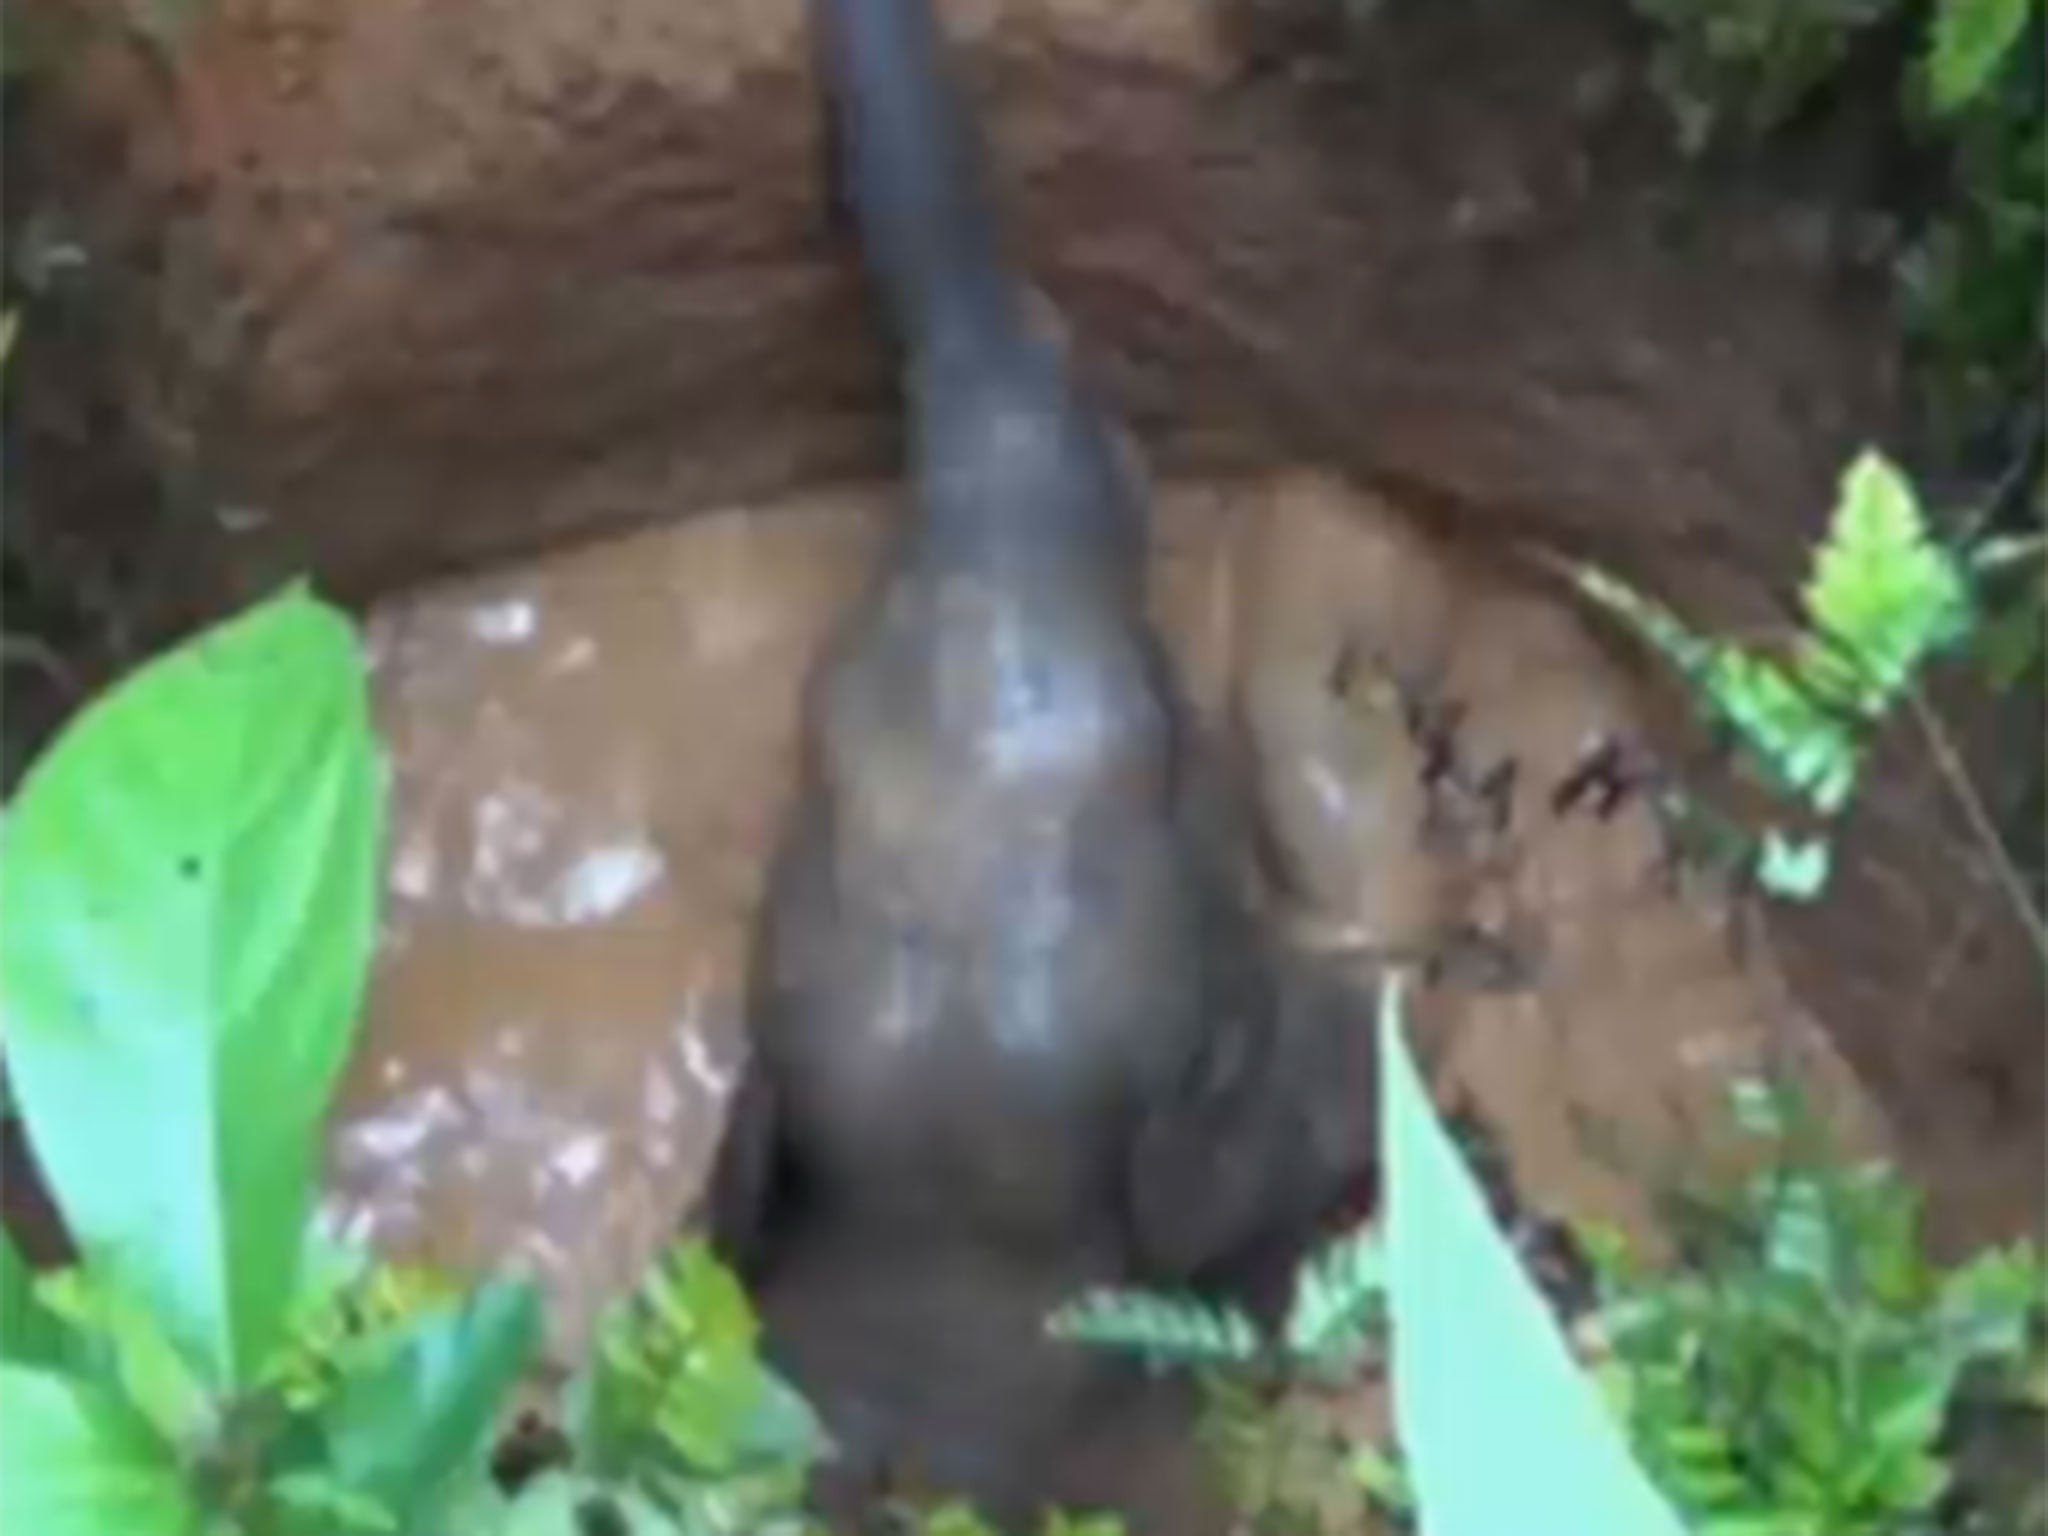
{"points": [[1957, 777]]}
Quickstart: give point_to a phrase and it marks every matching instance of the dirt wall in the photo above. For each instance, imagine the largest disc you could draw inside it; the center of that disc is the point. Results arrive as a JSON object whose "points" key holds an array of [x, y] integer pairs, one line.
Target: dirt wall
{"points": [[402, 287]]}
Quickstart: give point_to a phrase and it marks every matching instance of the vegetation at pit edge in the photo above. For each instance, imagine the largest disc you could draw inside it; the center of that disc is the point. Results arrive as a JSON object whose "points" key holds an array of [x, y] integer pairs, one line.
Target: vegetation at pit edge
{"points": [[1805, 1370], [194, 865], [1972, 96]]}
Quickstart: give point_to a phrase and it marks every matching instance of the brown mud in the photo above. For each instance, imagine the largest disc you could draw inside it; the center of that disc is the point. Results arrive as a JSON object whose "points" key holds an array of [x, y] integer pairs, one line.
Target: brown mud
{"points": [[525, 326], [592, 754]]}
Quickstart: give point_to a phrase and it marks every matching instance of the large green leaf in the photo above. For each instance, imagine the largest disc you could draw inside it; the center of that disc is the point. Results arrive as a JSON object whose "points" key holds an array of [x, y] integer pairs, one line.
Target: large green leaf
{"points": [[119, 1344], [77, 1461], [30, 1334], [1501, 1430], [407, 1422], [189, 879], [1970, 40]]}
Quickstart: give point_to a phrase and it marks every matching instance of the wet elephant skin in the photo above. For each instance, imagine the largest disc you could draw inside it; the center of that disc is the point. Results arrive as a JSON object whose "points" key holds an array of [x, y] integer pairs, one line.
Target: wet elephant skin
{"points": [[1014, 1032]]}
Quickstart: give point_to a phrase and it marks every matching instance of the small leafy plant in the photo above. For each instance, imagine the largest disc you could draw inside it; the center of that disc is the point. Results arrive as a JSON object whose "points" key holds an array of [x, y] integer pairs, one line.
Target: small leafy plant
{"points": [[676, 1406], [1798, 1375], [1970, 93], [1882, 597], [1746, 66], [1500, 1430], [1337, 1294], [189, 877], [1285, 1466]]}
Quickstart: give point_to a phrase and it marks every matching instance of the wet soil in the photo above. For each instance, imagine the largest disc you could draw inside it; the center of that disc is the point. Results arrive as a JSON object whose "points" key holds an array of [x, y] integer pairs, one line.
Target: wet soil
{"points": [[592, 754], [525, 327]]}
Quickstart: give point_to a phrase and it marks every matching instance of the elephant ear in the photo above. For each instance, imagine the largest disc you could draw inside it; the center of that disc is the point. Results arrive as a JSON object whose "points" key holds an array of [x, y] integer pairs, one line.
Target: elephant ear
{"points": [[1203, 1152], [1267, 1136]]}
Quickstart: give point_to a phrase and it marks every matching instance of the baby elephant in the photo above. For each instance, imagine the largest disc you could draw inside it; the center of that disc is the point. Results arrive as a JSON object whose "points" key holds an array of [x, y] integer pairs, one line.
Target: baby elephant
{"points": [[1014, 1031]]}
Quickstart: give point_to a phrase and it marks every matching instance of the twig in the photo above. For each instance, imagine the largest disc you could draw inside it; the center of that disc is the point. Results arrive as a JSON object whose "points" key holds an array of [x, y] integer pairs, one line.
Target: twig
{"points": [[1957, 777]]}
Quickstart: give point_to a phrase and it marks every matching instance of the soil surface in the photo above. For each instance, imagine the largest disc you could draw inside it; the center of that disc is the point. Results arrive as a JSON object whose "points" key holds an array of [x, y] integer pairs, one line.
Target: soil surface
{"points": [[525, 326]]}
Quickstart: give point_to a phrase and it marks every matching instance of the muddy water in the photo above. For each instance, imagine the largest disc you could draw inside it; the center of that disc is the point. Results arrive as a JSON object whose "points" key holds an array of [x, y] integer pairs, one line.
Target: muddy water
{"points": [[592, 753]]}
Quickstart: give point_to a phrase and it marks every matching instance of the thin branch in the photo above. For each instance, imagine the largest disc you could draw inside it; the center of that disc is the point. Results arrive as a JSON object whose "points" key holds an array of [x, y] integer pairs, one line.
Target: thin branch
{"points": [[1957, 777]]}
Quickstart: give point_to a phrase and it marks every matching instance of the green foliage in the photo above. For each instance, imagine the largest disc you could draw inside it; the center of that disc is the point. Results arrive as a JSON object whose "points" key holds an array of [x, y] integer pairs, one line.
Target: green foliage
{"points": [[1970, 40], [190, 876], [1167, 1330], [30, 1334], [198, 850], [569, 1504], [2014, 576], [344, 1316], [1881, 599], [1970, 279], [1481, 1373], [81, 1462], [1744, 66], [957, 1519], [677, 1403], [1797, 1375], [1289, 1461], [123, 1346], [1971, 282], [1336, 1296], [171, 1383], [403, 1425]]}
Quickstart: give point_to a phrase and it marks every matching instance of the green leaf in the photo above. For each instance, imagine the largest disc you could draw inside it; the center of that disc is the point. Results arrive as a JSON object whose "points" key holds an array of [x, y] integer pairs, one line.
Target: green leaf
{"points": [[1061, 1522], [1800, 1236], [122, 1344], [675, 1385], [1337, 1293], [1987, 1305], [404, 1425], [1381, 1478], [1759, 1108], [556, 1504], [1786, 731], [348, 1311], [1482, 1377], [1688, 652], [953, 1519], [77, 1461], [1168, 1330], [781, 1425], [318, 1498], [2011, 639], [30, 1334], [191, 874], [1793, 869], [1882, 594], [1970, 40]]}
